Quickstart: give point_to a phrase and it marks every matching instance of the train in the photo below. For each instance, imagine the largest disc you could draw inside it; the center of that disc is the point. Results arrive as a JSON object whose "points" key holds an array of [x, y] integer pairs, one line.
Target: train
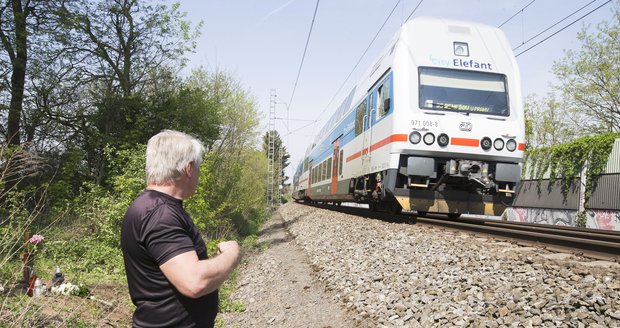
{"points": [[435, 125]]}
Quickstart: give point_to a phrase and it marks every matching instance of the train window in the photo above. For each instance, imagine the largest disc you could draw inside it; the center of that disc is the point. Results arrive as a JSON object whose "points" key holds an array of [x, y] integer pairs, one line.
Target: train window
{"points": [[384, 103], [360, 115], [329, 168], [324, 170], [318, 173], [340, 158], [306, 164], [463, 91], [371, 104]]}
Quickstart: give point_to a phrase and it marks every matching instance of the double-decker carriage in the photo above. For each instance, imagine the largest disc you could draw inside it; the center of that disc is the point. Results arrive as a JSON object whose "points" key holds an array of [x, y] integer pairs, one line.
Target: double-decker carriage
{"points": [[435, 125]]}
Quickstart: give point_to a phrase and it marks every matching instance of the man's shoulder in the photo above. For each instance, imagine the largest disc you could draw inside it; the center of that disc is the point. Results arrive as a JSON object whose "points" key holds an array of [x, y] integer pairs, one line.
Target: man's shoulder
{"points": [[150, 199], [152, 204]]}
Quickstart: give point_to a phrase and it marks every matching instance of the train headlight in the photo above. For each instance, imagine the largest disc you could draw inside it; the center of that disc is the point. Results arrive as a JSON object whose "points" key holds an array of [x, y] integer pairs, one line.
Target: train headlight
{"points": [[498, 144], [486, 143], [443, 140], [415, 137], [461, 49], [511, 145], [429, 138]]}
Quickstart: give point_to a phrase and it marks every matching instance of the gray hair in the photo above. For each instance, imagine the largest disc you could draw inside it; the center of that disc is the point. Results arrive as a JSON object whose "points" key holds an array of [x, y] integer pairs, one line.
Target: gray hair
{"points": [[167, 154]]}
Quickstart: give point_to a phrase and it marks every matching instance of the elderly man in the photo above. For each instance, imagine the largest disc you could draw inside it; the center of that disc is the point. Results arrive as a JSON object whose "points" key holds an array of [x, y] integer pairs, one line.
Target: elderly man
{"points": [[171, 280]]}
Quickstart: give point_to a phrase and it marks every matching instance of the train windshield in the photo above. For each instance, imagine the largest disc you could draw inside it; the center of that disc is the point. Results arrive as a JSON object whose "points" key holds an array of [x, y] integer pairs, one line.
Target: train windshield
{"points": [[463, 91]]}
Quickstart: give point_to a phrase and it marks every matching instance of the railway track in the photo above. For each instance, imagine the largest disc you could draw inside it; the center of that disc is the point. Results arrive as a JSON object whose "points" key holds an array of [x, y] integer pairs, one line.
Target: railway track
{"points": [[597, 244]]}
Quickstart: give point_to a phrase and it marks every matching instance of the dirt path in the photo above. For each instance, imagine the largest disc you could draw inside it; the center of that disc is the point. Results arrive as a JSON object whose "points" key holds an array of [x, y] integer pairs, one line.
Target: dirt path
{"points": [[278, 288]]}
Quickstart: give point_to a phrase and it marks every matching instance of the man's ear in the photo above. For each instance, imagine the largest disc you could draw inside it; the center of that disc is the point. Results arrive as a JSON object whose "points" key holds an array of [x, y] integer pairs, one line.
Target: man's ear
{"points": [[189, 168]]}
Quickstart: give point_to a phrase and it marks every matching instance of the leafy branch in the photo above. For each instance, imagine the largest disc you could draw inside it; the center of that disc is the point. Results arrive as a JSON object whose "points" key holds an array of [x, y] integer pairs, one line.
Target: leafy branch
{"points": [[565, 161]]}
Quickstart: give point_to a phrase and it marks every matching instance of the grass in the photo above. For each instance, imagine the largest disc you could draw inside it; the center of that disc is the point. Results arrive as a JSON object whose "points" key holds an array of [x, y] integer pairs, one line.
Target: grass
{"points": [[250, 247], [80, 312], [97, 264], [227, 304]]}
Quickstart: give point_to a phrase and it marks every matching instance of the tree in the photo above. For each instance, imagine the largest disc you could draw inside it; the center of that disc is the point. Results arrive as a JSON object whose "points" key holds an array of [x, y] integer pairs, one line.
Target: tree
{"points": [[98, 74], [590, 78], [122, 48], [26, 30], [14, 37], [546, 123], [233, 172], [279, 150]]}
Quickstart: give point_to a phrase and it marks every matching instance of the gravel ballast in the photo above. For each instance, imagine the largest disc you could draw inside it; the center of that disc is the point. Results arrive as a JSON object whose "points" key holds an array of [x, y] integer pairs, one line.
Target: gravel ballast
{"points": [[412, 275]]}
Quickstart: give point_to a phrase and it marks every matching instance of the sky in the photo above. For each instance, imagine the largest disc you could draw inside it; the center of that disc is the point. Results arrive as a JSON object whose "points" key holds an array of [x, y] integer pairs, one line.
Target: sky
{"points": [[261, 44]]}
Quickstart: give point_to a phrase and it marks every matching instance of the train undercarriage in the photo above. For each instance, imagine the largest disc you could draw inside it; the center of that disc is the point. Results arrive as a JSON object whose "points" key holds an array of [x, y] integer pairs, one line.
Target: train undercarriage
{"points": [[425, 184]]}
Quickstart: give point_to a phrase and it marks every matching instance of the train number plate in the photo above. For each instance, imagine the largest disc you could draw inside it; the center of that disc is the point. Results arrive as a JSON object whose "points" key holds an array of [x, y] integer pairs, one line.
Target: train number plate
{"points": [[424, 124]]}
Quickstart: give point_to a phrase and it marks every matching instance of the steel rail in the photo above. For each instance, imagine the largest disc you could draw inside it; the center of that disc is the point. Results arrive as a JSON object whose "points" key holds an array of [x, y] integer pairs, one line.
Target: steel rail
{"points": [[601, 235], [598, 244], [590, 246]]}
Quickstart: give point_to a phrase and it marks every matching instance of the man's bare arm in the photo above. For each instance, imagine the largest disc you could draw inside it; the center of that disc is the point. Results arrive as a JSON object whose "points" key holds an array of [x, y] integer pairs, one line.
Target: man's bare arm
{"points": [[195, 278]]}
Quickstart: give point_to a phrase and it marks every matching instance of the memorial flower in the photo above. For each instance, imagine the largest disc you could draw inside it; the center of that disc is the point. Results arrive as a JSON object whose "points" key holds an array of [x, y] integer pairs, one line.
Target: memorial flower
{"points": [[35, 244]]}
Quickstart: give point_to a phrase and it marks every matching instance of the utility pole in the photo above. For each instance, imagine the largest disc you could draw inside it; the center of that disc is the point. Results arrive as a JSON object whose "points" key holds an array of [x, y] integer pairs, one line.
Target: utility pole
{"points": [[280, 177], [271, 149]]}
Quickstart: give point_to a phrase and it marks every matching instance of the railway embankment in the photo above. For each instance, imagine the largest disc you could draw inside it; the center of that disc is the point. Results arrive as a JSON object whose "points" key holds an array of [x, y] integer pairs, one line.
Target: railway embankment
{"points": [[412, 275]]}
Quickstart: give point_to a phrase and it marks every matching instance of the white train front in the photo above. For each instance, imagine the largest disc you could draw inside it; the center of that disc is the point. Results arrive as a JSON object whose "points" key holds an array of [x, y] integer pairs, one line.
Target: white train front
{"points": [[435, 125]]}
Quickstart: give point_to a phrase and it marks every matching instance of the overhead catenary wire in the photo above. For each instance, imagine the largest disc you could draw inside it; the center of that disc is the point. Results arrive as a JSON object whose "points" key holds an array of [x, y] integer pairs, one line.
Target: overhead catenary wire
{"points": [[303, 57], [295, 119], [303, 127], [365, 51], [515, 14], [563, 28], [554, 25], [301, 64], [414, 9]]}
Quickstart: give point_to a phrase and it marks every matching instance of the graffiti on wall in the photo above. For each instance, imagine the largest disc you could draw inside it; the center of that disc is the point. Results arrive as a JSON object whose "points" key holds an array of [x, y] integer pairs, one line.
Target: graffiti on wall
{"points": [[596, 219], [603, 219], [541, 216]]}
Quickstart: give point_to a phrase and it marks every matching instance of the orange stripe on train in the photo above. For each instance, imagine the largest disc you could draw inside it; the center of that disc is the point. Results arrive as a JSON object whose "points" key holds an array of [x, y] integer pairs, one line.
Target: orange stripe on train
{"points": [[379, 144], [465, 142]]}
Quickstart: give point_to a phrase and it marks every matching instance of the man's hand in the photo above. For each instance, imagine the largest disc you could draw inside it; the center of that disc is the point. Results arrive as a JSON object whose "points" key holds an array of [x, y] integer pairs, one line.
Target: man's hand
{"points": [[230, 248]]}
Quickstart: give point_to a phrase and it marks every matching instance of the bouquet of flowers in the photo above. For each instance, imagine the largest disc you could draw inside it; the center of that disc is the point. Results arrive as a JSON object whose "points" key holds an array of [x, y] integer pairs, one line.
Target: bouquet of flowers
{"points": [[32, 247], [35, 244]]}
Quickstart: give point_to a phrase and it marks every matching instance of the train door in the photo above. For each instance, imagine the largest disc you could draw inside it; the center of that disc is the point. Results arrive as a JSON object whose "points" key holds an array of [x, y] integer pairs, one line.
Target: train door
{"points": [[367, 134], [335, 161]]}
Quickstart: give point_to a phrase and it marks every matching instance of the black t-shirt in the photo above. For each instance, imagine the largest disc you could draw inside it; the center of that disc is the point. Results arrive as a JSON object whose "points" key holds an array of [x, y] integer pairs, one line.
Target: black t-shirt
{"points": [[156, 228]]}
